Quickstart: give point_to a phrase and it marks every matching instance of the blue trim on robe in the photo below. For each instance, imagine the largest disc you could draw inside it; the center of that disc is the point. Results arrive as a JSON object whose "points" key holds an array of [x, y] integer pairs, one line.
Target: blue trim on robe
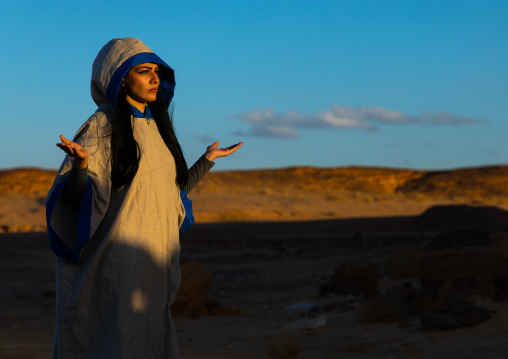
{"points": [[189, 217], [138, 114], [83, 225], [167, 76]]}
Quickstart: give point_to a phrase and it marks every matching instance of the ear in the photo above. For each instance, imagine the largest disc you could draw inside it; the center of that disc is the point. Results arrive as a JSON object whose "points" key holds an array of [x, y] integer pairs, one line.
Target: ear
{"points": [[123, 82]]}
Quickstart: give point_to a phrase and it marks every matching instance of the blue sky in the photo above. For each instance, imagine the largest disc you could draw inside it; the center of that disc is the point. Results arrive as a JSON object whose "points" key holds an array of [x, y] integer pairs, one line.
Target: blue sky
{"points": [[412, 84]]}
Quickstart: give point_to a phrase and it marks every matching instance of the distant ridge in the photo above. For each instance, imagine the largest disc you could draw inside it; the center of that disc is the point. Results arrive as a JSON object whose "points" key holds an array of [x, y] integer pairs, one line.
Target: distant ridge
{"points": [[289, 194], [477, 181], [34, 181]]}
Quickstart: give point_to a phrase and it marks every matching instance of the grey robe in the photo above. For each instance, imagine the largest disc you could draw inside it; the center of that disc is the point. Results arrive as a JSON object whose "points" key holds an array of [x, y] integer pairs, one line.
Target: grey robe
{"points": [[114, 302]]}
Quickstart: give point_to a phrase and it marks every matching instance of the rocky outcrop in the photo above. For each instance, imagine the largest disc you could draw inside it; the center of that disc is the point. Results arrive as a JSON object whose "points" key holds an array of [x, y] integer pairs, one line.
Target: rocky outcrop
{"points": [[357, 278], [455, 317], [457, 217], [192, 297], [485, 268], [451, 279], [459, 238]]}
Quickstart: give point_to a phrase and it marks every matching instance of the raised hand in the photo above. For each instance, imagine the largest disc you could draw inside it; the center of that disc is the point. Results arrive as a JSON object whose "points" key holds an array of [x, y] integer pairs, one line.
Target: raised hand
{"points": [[75, 150], [213, 152]]}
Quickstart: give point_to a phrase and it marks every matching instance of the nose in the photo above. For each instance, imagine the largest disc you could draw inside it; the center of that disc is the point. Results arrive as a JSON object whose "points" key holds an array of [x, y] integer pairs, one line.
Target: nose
{"points": [[155, 77]]}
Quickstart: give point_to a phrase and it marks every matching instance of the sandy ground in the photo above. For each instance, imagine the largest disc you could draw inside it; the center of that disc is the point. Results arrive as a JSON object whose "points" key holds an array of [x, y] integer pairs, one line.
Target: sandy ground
{"points": [[258, 268]]}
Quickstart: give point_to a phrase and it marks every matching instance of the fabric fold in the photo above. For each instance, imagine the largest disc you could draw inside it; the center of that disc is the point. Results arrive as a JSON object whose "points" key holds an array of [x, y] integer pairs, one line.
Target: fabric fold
{"points": [[84, 220]]}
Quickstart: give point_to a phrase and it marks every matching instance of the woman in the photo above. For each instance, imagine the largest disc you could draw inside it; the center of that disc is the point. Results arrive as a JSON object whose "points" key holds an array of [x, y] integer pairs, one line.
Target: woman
{"points": [[115, 211]]}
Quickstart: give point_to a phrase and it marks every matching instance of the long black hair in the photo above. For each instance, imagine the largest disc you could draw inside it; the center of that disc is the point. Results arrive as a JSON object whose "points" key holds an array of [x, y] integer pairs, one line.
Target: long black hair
{"points": [[125, 152]]}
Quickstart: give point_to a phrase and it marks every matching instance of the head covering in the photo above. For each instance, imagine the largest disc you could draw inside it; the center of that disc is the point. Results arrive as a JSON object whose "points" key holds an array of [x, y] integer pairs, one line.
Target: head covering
{"points": [[116, 59]]}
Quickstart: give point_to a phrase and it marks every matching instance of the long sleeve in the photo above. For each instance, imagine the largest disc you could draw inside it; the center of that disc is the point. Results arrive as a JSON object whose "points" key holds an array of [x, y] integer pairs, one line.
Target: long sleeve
{"points": [[75, 187], [74, 211], [197, 172]]}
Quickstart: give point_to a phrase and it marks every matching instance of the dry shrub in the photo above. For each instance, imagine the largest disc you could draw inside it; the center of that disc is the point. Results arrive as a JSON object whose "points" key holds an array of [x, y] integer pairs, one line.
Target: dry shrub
{"points": [[283, 346], [403, 263]]}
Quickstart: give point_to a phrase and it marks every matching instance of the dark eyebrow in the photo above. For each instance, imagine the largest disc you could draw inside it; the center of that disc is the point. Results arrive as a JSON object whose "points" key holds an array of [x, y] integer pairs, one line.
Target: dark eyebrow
{"points": [[148, 67]]}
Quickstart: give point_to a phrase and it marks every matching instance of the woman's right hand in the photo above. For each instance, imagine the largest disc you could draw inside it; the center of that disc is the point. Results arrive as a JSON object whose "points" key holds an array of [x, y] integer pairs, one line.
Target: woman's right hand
{"points": [[75, 150]]}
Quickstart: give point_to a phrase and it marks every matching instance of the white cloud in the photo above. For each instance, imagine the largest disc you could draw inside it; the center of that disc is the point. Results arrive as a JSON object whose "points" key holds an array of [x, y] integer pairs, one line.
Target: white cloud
{"points": [[331, 119], [268, 123], [371, 114]]}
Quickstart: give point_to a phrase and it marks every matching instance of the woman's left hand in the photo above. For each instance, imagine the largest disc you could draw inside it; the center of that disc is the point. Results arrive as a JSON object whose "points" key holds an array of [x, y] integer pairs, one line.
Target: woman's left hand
{"points": [[213, 151]]}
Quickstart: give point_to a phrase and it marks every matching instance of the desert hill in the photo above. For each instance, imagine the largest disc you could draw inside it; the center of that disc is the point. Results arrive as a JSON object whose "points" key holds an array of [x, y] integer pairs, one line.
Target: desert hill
{"points": [[297, 193], [32, 181], [481, 181]]}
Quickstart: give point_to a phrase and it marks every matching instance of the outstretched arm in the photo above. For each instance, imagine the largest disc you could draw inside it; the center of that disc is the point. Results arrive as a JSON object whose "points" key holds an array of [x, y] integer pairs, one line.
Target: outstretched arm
{"points": [[76, 185], [75, 150], [213, 151], [205, 163]]}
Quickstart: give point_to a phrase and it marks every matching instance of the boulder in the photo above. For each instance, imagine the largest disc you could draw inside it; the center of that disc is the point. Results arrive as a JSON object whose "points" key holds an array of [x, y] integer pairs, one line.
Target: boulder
{"points": [[424, 302], [455, 317], [192, 297], [393, 305], [485, 268], [456, 290], [357, 278]]}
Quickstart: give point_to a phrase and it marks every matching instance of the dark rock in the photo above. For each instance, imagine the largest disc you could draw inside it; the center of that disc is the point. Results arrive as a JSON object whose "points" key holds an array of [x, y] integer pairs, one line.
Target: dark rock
{"points": [[423, 303], [454, 217], [455, 317], [484, 283], [393, 305], [191, 298], [357, 278], [485, 268], [324, 289], [455, 291], [439, 320]]}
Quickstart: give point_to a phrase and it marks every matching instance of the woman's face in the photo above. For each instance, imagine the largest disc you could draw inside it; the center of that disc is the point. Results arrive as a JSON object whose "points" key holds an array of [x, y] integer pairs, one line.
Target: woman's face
{"points": [[141, 83]]}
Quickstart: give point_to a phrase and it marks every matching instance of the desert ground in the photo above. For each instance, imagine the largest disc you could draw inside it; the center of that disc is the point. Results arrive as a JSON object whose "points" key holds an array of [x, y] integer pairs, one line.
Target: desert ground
{"points": [[302, 263]]}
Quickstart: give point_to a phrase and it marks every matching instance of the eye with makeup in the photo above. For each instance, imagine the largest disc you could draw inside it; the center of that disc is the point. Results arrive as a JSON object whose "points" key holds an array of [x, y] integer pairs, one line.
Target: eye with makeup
{"points": [[145, 70]]}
